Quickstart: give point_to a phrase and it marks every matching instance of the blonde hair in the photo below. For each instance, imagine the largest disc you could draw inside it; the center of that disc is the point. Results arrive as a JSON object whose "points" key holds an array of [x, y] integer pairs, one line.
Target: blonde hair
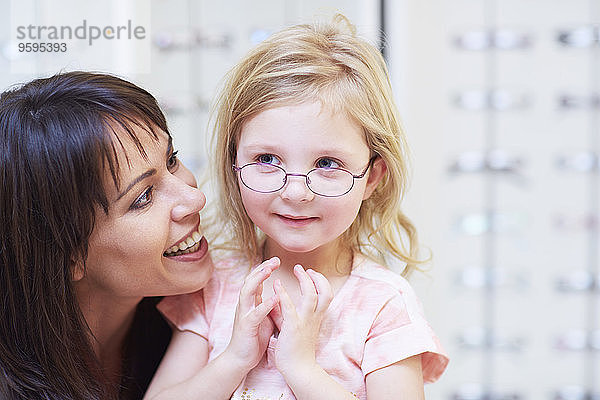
{"points": [[328, 63]]}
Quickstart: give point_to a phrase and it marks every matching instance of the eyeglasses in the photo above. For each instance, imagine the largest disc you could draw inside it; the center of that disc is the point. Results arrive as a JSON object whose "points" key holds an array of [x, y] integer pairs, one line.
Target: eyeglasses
{"points": [[327, 182], [493, 39], [584, 36]]}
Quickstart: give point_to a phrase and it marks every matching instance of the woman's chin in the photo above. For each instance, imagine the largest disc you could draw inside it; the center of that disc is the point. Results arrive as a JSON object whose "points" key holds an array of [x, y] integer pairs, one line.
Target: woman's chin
{"points": [[189, 272]]}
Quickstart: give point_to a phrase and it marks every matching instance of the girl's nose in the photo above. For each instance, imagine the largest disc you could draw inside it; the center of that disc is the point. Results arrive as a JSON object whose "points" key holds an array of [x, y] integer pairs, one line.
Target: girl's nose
{"points": [[190, 200], [295, 189]]}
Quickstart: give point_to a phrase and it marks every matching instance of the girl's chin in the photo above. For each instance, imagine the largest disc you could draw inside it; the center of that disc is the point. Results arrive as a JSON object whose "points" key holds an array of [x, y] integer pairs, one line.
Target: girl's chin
{"points": [[299, 244], [296, 248]]}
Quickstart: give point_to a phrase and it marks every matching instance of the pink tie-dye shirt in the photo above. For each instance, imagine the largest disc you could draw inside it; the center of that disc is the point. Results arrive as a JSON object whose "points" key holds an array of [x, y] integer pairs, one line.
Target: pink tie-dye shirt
{"points": [[374, 321]]}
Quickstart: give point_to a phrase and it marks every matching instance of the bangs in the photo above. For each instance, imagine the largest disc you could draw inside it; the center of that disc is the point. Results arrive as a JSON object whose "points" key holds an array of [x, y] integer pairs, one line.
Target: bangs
{"points": [[117, 128]]}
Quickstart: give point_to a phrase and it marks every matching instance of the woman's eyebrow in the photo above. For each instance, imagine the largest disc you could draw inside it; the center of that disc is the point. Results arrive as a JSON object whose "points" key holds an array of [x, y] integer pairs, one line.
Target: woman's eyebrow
{"points": [[140, 178], [148, 173]]}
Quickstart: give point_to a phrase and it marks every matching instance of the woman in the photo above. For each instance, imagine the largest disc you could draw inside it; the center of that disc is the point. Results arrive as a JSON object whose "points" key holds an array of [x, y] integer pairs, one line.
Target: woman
{"points": [[96, 214]]}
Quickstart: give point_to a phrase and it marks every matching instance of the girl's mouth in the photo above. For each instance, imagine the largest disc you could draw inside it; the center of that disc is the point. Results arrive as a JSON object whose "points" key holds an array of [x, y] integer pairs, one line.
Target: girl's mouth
{"points": [[296, 220]]}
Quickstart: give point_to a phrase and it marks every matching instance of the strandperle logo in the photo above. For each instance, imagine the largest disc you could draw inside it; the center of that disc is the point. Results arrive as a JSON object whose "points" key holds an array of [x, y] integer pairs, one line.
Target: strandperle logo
{"points": [[83, 32]]}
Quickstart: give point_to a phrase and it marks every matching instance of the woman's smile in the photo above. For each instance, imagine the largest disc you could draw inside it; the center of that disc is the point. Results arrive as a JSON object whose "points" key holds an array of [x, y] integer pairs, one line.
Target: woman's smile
{"points": [[194, 253], [189, 244]]}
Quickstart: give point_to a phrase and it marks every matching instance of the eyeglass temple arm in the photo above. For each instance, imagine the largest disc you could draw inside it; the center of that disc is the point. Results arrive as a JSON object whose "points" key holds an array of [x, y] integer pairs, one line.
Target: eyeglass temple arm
{"points": [[367, 168]]}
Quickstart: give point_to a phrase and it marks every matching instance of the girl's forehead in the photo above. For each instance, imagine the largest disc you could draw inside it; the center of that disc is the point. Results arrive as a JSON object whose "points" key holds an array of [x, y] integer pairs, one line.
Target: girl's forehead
{"points": [[308, 118], [304, 130]]}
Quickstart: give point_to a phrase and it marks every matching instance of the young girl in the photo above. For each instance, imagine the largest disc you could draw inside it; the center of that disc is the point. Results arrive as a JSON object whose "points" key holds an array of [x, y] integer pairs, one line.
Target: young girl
{"points": [[312, 168]]}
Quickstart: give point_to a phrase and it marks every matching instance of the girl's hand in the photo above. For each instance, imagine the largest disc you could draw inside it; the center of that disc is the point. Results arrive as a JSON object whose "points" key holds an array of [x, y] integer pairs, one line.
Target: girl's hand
{"points": [[299, 327], [252, 328]]}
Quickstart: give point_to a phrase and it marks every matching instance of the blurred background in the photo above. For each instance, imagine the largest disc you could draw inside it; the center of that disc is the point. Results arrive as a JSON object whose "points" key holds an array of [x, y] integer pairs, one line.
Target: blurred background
{"points": [[501, 103]]}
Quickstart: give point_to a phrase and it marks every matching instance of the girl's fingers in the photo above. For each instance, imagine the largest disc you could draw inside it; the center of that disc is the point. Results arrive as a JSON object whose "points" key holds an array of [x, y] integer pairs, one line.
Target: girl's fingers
{"points": [[324, 291], [257, 316], [276, 316], [308, 291], [258, 295], [288, 310], [252, 284]]}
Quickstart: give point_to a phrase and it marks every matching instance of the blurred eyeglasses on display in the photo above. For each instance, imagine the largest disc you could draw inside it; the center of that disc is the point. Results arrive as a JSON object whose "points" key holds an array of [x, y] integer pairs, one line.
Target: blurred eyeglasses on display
{"points": [[474, 224], [578, 281], [494, 99], [575, 392], [585, 161], [486, 161], [486, 278], [479, 338], [476, 391], [584, 36], [578, 340], [573, 102], [573, 223], [181, 104], [187, 40], [504, 39]]}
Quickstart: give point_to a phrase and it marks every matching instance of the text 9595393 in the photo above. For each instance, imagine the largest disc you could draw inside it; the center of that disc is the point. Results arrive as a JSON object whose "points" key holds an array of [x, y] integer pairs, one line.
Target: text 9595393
{"points": [[35, 47]]}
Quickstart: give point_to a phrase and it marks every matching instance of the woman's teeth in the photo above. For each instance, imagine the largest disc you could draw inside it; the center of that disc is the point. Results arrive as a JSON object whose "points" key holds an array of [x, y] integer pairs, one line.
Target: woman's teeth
{"points": [[189, 245]]}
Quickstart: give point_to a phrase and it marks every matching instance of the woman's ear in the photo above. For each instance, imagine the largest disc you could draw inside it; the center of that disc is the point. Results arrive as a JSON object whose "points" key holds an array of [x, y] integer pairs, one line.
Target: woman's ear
{"points": [[375, 175], [77, 270]]}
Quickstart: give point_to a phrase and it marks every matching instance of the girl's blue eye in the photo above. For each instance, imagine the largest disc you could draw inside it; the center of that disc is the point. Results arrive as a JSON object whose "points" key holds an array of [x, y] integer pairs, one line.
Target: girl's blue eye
{"points": [[327, 163], [144, 199], [173, 162], [267, 159]]}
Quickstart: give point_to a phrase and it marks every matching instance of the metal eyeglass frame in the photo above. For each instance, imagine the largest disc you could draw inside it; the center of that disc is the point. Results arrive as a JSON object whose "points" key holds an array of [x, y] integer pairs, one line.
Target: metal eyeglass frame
{"points": [[359, 176]]}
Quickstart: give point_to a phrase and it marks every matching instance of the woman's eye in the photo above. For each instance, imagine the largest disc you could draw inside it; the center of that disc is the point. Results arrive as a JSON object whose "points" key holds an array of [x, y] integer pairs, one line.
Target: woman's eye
{"points": [[173, 162], [327, 163], [144, 199], [267, 159]]}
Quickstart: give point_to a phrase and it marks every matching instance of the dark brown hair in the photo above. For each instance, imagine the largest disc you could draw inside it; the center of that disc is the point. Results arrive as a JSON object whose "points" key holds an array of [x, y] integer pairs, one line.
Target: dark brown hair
{"points": [[57, 139]]}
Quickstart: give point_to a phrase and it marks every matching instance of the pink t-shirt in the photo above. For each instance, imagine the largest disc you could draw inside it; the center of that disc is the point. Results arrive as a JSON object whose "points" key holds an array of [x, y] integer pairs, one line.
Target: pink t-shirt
{"points": [[374, 321]]}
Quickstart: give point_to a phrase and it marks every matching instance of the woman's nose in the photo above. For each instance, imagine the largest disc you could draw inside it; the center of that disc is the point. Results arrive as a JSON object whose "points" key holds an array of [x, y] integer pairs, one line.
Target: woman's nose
{"points": [[296, 189], [189, 200], [186, 175]]}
